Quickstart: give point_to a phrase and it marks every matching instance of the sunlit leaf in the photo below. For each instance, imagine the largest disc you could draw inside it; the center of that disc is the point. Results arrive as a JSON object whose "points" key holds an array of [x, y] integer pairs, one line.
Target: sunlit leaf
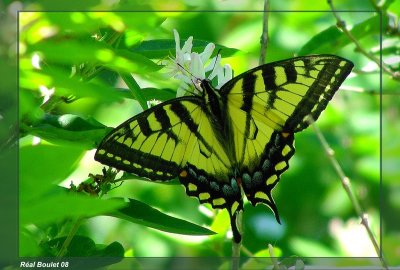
{"points": [[43, 166], [68, 128]]}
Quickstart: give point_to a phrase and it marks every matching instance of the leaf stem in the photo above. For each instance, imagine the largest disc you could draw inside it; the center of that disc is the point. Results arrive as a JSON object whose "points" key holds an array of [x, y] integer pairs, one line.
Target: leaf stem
{"points": [[134, 88]]}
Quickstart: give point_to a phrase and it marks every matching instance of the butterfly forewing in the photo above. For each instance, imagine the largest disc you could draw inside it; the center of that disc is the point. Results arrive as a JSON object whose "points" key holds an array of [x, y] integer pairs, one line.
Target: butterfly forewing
{"points": [[158, 142], [283, 93]]}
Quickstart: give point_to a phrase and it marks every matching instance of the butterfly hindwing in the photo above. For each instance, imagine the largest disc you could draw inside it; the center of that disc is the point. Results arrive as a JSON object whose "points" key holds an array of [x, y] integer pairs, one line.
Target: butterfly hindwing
{"points": [[259, 182], [220, 194]]}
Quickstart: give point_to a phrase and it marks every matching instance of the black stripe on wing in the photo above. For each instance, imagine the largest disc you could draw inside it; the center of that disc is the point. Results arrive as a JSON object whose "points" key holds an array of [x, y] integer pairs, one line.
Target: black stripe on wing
{"points": [[330, 77]]}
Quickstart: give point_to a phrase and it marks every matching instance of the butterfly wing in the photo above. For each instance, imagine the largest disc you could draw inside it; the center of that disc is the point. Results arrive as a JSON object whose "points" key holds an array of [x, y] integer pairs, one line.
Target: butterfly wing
{"points": [[175, 139], [267, 105], [160, 141]]}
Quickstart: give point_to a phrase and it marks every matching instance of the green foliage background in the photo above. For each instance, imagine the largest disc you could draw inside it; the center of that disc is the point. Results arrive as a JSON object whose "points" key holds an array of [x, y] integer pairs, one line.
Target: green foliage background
{"points": [[87, 57]]}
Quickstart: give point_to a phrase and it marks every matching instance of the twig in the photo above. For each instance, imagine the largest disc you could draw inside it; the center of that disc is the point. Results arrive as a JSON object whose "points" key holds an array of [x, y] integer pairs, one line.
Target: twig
{"points": [[264, 35], [342, 25], [274, 261], [347, 186], [67, 242]]}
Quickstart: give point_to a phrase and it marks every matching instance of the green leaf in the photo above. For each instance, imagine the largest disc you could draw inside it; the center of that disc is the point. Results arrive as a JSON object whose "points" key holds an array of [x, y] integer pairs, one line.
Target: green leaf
{"points": [[321, 41], [141, 213], [66, 85], [135, 89], [145, 64], [149, 93], [387, 4], [308, 248], [69, 128], [43, 166], [94, 53], [162, 48], [27, 244], [332, 39], [114, 249], [83, 246], [55, 208], [80, 246]]}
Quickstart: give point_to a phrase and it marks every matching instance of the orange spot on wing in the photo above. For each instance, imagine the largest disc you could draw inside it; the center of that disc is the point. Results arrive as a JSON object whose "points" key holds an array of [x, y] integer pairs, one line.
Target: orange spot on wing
{"points": [[285, 134], [239, 181], [183, 174]]}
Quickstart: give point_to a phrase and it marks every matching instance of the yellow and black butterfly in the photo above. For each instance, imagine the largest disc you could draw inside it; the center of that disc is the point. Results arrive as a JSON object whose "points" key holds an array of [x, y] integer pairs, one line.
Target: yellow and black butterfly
{"points": [[223, 143]]}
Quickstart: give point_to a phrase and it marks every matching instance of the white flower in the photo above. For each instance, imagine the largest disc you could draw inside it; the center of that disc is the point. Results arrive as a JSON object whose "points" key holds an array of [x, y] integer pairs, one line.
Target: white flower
{"points": [[188, 67], [46, 93]]}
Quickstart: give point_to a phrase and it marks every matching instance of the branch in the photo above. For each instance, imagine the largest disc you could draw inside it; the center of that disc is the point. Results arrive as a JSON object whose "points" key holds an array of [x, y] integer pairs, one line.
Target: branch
{"points": [[347, 186], [342, 25]]}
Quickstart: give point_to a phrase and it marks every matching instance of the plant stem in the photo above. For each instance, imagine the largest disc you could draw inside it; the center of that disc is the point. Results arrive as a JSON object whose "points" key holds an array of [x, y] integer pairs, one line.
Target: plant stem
{"points": [[342, 25], [235, 254], [264, 35], [347, 186]]}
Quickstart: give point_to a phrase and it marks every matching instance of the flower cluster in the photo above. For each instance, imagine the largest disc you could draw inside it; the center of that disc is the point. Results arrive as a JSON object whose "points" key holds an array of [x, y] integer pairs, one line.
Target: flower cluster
{"points": [[188, 66]]}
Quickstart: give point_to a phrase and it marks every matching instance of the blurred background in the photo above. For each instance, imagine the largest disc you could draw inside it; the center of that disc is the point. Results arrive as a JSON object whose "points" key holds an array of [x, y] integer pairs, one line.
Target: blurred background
{"points": [[73, 86]]}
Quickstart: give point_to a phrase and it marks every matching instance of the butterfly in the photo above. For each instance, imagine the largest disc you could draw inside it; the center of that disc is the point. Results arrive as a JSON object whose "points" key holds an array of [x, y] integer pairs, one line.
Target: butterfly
{"points": [[228, 143]]}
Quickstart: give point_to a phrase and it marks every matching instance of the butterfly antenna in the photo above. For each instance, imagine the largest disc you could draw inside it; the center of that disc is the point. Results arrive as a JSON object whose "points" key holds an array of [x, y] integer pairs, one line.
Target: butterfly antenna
{"points": [[187, 71], [192, 76], [216, 58]]}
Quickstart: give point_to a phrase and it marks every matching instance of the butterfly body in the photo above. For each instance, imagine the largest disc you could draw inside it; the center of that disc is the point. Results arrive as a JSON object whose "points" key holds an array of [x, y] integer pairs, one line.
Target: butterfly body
{"points": [[230, 141]]}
